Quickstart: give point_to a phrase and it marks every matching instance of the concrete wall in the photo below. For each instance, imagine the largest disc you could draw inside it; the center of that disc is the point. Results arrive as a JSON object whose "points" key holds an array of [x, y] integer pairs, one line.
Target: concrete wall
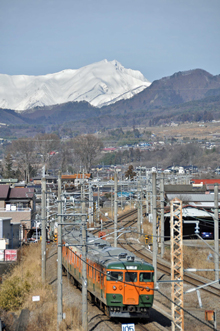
{"points": [[5, 228], [10, 231], [23, 217]]}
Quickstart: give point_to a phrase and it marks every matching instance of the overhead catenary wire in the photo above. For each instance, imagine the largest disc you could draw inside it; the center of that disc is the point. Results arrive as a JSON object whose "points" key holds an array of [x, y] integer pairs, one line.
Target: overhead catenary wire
{"points": [[186, 311], [142, 287]]}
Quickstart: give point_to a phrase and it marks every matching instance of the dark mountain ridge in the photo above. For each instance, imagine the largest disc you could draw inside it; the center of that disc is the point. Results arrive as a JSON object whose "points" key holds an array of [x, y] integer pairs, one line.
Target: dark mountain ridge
{"points": [[173, 90], [165, 99]]}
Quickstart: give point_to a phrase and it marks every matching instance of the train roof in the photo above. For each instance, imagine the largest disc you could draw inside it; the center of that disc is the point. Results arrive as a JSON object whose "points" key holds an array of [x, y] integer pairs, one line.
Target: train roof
{"points": [[101, 252]]}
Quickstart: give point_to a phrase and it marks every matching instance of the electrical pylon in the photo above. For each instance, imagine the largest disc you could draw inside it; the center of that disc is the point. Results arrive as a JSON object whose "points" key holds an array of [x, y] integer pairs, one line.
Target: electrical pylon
{"points": [[177, 264]]}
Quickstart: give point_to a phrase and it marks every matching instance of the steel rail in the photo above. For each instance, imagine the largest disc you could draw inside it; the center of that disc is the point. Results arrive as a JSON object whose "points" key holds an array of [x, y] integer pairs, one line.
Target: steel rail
{"points": [[120, 219], [190, 279]]}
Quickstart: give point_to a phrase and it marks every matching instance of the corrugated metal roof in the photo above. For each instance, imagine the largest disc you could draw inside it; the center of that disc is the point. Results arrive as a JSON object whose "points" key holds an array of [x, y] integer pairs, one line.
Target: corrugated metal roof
{"points": [[21, 193], [184, 188], [203, 204], [4, 189], [193, 212], [192, 197]]}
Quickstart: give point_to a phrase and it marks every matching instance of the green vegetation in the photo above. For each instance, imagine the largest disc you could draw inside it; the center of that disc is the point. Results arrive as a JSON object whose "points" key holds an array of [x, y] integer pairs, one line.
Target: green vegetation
{"points": [[22, 283], [130, 137], [13, 293]]}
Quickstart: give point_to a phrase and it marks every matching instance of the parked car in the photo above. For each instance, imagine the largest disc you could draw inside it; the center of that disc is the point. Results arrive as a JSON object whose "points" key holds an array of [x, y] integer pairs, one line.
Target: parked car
{"points": [[32, 240], [167, 171], [207, 235]]}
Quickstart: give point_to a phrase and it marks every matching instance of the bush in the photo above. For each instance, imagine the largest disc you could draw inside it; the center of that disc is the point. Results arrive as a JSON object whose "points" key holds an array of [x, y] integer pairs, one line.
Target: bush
{"points": [[13, 292]]}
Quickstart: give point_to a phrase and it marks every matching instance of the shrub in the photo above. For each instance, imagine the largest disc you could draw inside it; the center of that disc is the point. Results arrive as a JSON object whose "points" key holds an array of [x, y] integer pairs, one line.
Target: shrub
{"points": [[12, 294]]}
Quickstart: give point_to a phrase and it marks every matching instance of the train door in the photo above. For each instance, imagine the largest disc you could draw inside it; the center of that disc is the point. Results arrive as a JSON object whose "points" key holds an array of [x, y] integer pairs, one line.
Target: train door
{"points": [[102, 282], [131, 293], [94, 276]]}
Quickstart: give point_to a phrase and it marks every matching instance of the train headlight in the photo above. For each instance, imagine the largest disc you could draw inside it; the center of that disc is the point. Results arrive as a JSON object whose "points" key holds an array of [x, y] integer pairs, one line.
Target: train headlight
{"points": [[114, 296], [148, 289], [147, 297], [120, 287], [114, 288]]}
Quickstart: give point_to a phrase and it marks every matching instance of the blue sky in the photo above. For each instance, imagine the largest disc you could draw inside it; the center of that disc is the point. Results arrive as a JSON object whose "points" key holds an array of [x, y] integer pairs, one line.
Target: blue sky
{"points": [[157, 37]]}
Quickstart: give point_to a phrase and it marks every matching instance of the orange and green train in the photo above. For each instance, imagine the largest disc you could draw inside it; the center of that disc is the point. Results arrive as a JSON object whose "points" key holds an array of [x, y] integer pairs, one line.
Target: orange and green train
{"points": [[121, 284]]}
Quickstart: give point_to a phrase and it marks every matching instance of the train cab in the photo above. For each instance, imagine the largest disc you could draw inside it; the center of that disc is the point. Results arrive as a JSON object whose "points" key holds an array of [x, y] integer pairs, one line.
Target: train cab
{"points": [[129, 287]]}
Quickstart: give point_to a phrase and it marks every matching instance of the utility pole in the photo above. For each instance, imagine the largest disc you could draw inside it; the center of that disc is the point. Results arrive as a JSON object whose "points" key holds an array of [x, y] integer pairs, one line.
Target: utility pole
{"points": [[90, 204], [84, 269], [141, 210], [111, 202], [115, 209], [151, 195], [147, 194], [98, 206], [139, 203], [138, 208], [162, 213], [43, 228], [59, 253], [154, 204], [216, 232]]}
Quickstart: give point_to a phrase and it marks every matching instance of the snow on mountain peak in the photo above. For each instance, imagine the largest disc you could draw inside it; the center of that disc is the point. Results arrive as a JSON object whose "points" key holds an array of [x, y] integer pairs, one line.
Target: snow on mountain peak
{"points": [[100, 83]]}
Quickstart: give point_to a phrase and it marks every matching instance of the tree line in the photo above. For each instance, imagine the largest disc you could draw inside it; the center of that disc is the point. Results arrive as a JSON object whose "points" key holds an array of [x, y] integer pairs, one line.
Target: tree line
{"points": [[25, 157]]}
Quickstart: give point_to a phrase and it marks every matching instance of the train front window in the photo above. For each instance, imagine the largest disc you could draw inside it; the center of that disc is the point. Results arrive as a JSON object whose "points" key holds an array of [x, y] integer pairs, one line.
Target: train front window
{"points": [[131, 277], [114, 275], [146, 277]]}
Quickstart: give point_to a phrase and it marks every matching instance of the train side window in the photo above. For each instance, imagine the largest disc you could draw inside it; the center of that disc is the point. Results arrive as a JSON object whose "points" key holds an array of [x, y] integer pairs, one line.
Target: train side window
{"points": [[131, 277], [102, 278], [145, 277], [114, 275]]}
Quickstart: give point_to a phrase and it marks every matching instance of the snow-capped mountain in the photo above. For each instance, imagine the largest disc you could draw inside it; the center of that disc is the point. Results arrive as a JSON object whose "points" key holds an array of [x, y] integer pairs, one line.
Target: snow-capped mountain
{"points": [[100, 84]]}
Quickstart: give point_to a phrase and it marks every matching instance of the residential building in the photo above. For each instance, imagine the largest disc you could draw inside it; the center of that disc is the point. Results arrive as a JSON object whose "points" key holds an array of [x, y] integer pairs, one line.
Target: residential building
{"points": [[17, 203]]}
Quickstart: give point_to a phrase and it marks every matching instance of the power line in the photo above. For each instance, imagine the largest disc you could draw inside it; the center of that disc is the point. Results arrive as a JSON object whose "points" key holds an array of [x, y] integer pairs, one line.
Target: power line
{"points": [[186, 311]]}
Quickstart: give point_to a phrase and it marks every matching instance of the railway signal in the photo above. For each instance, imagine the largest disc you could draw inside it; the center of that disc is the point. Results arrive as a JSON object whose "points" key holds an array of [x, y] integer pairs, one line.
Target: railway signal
{"points": [[55, 237]]}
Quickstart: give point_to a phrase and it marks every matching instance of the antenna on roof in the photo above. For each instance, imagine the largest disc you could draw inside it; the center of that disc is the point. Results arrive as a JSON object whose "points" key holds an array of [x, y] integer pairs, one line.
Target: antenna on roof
{"points": [[130, 258]]}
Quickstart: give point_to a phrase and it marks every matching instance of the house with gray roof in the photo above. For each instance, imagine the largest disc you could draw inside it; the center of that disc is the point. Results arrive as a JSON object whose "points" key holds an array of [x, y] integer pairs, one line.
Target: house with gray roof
{"points": [[17, 203]]}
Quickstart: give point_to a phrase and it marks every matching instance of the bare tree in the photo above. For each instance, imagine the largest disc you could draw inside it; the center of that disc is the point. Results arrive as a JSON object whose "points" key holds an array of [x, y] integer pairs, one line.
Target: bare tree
{"points": [[47, 146], [24, 152], [65, 156], [130, 172], [87, 148]]}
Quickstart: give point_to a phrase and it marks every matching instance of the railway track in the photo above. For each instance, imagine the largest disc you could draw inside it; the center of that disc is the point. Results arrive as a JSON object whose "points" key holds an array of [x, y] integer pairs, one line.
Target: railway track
{"points": [[152, 326], [161, 266], [121, 218]]}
